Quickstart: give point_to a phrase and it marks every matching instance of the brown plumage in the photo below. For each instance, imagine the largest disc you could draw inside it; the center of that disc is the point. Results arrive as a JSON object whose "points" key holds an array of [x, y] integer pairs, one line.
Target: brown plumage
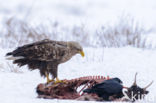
{"points": [[45, 55]]}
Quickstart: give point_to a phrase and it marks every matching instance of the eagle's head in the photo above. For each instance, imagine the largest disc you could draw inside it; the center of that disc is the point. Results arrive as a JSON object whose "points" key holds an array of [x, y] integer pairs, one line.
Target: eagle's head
{"points": [[75, 48]]}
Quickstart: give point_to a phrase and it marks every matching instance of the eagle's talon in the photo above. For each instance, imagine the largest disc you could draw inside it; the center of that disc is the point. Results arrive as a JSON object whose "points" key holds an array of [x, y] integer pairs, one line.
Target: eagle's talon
{"points": [[48, 81], [59, 81]]}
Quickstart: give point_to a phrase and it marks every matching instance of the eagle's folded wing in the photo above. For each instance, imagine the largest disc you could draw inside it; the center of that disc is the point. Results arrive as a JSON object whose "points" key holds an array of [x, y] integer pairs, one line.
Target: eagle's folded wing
{"points": [[45, 50]]}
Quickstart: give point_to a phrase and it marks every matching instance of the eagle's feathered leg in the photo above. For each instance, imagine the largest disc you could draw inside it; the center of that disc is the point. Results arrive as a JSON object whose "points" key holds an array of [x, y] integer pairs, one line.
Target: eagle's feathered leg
{"points": [[53, 70]]}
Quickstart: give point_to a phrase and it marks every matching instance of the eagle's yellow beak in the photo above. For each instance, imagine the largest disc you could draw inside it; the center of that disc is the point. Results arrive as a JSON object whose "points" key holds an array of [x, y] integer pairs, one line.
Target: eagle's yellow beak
{"points": [[82, 53]]}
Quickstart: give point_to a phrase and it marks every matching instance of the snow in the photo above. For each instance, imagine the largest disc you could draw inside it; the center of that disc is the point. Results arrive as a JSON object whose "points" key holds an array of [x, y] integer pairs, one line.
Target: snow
{"points": [[17, 87]]}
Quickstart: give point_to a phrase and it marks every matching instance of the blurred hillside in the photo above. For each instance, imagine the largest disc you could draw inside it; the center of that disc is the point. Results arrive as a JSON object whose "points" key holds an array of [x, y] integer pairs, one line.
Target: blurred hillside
{"points": [[94, 23]]}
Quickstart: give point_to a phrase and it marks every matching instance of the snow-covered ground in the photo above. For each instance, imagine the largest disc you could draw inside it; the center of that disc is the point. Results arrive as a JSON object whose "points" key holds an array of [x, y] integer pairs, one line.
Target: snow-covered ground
{"points": [[17, 87]]}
